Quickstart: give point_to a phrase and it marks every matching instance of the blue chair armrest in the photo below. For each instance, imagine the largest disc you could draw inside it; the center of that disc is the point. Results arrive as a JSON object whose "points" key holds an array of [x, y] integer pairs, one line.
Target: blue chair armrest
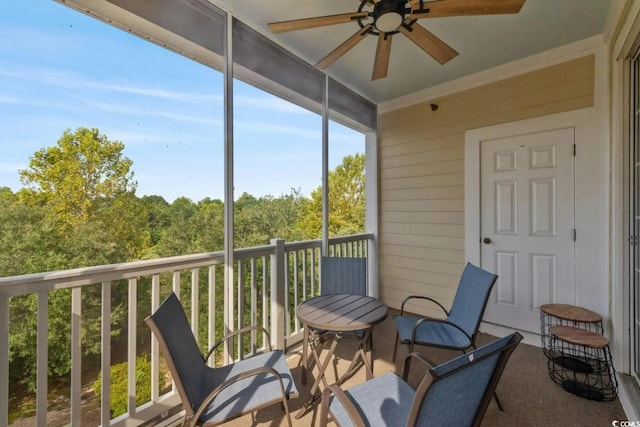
{"points": [[344, 400], [240, 332], [407, 363], [410, 297]]}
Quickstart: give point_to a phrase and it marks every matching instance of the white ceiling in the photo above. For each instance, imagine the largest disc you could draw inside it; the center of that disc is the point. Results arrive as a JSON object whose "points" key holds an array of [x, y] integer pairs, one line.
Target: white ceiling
{"points": [[483, 42]]}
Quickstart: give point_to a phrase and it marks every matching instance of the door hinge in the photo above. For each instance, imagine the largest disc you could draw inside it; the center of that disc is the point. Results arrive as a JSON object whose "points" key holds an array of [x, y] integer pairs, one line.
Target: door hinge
{"points": [[574, 150], [575, 234], [633, 240]]}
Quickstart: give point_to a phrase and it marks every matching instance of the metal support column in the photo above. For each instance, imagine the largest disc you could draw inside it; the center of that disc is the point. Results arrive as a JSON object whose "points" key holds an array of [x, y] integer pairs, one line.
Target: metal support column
{"points": [[325, 168], [228, 182]]}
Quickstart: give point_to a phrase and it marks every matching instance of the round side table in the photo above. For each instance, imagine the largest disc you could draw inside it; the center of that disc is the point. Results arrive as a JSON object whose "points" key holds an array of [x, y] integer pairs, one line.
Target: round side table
{"points": [[566, 315], [579, 361]]}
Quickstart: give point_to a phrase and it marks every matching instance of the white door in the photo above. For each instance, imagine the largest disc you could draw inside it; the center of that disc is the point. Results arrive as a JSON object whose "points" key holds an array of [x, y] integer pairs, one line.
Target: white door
{"points": [[527, 224]]}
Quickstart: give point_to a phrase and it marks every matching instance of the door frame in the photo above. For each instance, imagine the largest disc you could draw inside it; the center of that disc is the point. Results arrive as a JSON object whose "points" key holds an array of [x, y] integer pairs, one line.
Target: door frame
{"points": [[591, 198]]}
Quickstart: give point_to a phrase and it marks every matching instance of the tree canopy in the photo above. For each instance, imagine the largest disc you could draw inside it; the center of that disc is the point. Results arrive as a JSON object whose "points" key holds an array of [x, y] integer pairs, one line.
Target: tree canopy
{"points": [[346, 201], [84, 171]]}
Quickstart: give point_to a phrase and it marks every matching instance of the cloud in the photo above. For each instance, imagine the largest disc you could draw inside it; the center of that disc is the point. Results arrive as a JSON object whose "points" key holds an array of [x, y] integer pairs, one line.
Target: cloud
{"points": [[64, 78], [130, 110], [9, 100], [67, 79]]}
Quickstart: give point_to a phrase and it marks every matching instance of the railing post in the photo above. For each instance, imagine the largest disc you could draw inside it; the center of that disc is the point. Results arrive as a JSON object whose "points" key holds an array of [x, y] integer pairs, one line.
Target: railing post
{"points": [[372, 268], [278, 290]]}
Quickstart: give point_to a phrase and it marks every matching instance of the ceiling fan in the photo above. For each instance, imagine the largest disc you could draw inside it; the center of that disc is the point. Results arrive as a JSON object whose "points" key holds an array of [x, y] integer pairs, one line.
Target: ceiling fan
{"points": [[384, 18]]}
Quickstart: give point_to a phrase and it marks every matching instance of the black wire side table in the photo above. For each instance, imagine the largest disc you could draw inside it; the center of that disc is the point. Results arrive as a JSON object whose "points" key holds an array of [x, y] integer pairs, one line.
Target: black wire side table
{"points": [[580, 362], [578, 355], [566, 315]]}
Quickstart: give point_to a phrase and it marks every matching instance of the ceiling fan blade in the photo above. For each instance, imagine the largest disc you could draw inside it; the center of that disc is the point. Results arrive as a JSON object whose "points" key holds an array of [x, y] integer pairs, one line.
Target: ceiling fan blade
{"points": [[343, 48], [439, 50], [381, 62], [438, 9], [320, 21]]}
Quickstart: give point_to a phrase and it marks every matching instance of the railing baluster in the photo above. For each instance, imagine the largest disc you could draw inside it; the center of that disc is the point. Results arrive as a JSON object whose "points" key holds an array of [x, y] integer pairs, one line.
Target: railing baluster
{"points": [[304, 274], [4, 360], [212, 312], [195, 297], [42, 358], [228, 345], [240, 308], [155, 350], [175, 286], [76, 355], [287, 297], [296, 300], [313, 272], [105, 361], [265, 307], [175, 283], [254, 304], [131, 346]]}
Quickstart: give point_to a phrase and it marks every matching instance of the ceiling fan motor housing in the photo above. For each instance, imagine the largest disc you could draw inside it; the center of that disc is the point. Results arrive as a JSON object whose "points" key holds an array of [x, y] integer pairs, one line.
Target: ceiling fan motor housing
{"points": [[388, 15]]}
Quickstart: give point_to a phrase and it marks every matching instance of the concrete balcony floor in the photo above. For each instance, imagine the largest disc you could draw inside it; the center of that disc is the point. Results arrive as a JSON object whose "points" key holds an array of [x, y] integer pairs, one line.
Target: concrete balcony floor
{"points": [[529, 396]]}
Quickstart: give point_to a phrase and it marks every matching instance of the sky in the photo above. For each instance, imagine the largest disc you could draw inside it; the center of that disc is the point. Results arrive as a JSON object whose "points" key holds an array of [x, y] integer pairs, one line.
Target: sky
{"points": [[60, 69]]}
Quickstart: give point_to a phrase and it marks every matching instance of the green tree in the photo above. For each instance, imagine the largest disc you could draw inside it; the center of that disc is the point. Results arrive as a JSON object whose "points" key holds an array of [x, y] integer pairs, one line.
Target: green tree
{"points": [[258, 220], [158, 217], [85, 179], [346, 201], [78, 209], [182, 234], [71, 177], [29, 242]]}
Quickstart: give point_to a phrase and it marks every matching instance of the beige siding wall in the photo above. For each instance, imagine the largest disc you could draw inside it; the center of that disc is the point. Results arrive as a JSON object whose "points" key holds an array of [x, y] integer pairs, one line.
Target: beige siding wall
{"points": [[421, 171]]}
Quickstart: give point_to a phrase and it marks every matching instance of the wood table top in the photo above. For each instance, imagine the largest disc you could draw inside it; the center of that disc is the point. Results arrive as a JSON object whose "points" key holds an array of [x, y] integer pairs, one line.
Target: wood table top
{"points": [[579, 336], [571, 312], [341, 312]]}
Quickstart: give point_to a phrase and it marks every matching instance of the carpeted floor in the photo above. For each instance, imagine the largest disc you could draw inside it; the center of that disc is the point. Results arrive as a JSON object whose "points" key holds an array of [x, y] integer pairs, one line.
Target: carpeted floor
{"points": [[528, 395]]}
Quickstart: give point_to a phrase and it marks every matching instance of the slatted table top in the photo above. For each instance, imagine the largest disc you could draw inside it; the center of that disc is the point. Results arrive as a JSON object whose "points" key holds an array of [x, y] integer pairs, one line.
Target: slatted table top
{"points": [[571, 312], [342, 312]]}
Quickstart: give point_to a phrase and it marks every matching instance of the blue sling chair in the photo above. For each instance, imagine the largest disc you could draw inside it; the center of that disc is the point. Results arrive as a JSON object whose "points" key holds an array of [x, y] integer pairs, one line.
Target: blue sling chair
{"points": [[344, 275], [458, 331], [212, 396], [455, 393]]}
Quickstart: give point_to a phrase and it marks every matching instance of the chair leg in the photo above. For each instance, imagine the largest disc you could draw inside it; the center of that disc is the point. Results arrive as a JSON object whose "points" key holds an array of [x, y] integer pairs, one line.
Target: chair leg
{"points": [[495, 396], [285, 406], [395, 347]]}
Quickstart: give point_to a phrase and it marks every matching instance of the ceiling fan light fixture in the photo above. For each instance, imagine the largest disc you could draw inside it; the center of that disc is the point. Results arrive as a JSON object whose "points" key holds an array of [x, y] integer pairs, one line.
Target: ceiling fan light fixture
{"points": [[388, 15]]}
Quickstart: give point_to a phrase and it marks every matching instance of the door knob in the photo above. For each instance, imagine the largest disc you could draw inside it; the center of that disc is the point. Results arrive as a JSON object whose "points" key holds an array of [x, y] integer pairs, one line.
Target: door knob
{"points": [[486, 240]]}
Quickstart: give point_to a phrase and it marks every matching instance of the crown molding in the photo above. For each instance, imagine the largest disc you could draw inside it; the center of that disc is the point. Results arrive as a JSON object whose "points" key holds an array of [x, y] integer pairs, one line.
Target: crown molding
{"points": [[545, 59]]}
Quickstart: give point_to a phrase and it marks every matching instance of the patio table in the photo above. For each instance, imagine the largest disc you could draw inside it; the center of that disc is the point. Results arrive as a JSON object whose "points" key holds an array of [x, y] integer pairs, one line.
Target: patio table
{"points": [[337, 314]]}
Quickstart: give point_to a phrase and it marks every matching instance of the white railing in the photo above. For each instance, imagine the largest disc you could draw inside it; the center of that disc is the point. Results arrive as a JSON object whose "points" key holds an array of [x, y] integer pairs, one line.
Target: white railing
{"points": [[269, 282]]}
